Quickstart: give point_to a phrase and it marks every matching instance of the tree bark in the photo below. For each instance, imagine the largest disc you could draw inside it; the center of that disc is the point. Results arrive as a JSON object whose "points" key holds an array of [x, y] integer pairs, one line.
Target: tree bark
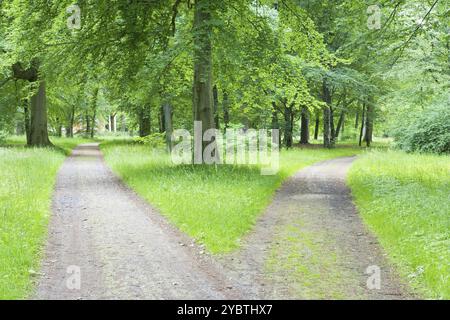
{"points": [[226, 111], [203, 65], [316, 129], [26, 113], [216, 106], [168, 125], [288, 127], [304, 129], [38, 123], [94, 111], [144, 122], [38, 133], [328, 139], [340, 123], [362, 125], [369, 122]]}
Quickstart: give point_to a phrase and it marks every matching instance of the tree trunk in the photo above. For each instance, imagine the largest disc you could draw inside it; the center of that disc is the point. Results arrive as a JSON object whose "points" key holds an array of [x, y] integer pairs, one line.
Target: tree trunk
{"points": [[304, 129], [26, 113], [369, 122], [288, 127], [275, 122], [340, 124], [94, 111], [216, 107], [144, 122], [226, 112], [203, 65], [357, 120], [316, 129], [361, 133], [167, 109], [328, 141], [38, 123], [69, 128]]}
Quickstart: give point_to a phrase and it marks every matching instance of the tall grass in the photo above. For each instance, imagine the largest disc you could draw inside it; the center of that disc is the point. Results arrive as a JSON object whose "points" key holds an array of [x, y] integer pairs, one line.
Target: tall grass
{"points": [[216, 205], [27, 178], [404, 198]]}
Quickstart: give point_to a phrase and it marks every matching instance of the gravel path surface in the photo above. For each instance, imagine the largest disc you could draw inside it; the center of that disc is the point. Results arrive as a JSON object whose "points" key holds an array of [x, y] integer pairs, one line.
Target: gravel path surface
{"points": [[314, 205], [121, 247]]}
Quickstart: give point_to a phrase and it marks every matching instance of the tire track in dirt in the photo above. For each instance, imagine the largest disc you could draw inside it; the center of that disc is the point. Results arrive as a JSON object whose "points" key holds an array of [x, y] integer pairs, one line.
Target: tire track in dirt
{"points": [[314, 236]]}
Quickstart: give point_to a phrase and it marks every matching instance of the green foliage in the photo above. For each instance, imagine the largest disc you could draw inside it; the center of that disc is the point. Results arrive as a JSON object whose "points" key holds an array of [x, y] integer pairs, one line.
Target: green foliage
{"points": [[429, 132], [153, 141], [403, 198]]}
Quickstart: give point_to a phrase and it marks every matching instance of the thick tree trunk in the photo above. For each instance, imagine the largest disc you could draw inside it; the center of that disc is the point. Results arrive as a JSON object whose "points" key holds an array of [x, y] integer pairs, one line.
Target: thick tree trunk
{"points": [[316, 129], [288, 127], [144, 122], [203, 65], [304, 129], [38, 123]]}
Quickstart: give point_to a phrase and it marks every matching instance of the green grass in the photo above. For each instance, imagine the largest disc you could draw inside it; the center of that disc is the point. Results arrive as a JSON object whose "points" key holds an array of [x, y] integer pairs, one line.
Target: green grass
{"points": [[27, 178], [216, 205], [404, 199]]}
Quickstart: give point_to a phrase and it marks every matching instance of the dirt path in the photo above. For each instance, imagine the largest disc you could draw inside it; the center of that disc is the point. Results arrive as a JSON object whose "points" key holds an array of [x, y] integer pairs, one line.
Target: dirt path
{"points": [[311, 243], [121, 246]]}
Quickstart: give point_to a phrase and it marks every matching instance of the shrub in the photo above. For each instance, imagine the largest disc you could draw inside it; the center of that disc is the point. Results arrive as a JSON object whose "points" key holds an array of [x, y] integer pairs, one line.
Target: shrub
{"points": [[154, 140], [429, 132]]}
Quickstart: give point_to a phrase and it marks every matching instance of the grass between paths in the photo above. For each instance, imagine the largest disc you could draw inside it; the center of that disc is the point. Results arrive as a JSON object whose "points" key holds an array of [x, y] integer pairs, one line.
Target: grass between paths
{"points": [[404, 199], [27, 178], [216, 205]]}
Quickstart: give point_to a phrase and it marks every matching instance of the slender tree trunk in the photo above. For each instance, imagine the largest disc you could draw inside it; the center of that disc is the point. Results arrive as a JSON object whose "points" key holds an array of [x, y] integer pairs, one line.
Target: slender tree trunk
{"points": [[94, 111], [369, 122], [340, 125], [69, 129], [316, 129], [216, 107], [275, 122], [226, 112], [203, 65], [327, 118], [38, 123], [361, 133], [168, 125], [304, 129], [26, 112], [357, 120]]}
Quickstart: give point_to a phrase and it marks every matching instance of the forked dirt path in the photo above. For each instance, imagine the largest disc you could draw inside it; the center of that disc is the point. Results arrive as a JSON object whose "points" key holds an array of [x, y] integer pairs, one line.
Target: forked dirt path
{"points": [[121, 247], [312, 244]]}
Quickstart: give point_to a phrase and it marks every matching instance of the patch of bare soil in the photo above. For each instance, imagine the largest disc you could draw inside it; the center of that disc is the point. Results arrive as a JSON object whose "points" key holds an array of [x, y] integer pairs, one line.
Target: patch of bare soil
{"points": [[112, 244], [312, 244]]}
